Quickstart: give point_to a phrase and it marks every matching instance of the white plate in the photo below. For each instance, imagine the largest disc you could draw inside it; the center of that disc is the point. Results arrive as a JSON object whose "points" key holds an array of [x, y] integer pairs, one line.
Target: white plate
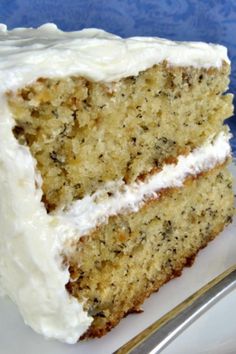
{"points": [[214, 332]]}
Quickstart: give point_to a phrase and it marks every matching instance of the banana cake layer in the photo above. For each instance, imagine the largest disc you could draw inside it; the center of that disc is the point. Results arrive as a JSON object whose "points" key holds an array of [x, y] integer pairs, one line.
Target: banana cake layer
{"points": [[84, 134], [122, 262]]}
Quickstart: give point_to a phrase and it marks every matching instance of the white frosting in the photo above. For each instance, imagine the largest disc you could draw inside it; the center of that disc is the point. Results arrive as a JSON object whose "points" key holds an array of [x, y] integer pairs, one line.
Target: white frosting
{"points": [[31, 270], [86, 214], [26, 54], [31, 241]]}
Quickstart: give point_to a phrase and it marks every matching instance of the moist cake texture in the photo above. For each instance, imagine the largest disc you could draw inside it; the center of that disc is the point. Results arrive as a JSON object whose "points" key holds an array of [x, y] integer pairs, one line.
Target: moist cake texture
{"points": [[113, 171], [84, 134], [147, 248]]}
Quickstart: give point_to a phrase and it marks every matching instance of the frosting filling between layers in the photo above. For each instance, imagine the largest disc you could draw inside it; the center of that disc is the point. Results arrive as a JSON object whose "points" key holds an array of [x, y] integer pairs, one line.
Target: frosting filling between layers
{"points": [[117, 197]]}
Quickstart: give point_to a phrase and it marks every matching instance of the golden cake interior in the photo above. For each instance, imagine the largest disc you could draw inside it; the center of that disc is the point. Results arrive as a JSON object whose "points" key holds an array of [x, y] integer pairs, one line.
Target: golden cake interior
{"points": [[121, 263], [84, 134]]}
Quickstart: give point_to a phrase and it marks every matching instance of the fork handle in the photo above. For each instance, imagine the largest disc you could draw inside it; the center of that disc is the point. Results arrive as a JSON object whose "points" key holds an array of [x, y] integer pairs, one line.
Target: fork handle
{"points": [[158, 335]]}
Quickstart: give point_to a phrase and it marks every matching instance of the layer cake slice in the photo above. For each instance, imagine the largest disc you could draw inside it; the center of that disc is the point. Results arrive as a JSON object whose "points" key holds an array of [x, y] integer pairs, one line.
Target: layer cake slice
{"points": [[113, 171]]}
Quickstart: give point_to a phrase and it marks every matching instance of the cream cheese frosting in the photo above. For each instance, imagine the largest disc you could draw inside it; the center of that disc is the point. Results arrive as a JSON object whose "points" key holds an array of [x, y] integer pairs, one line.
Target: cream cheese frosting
{"points": [[85, 214], [31, 269], [32, 273], [27, 54]]}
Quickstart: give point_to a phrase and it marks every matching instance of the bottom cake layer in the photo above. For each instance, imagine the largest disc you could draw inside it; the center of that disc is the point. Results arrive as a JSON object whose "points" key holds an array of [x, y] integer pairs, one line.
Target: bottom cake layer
{"points": [[115, 268]]}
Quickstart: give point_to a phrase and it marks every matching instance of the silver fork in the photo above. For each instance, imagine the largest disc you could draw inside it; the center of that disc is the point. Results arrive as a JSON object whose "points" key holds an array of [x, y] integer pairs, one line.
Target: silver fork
{"points": [[157, 336]]}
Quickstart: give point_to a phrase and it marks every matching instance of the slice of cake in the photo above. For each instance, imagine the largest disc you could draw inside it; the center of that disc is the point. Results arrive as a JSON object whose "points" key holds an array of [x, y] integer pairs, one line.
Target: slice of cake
{"points": [[113, 171]]}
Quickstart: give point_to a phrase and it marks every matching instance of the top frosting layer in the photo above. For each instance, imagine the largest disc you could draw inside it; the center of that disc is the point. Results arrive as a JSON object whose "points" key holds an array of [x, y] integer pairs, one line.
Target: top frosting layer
{"points": [[26, 54]]}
